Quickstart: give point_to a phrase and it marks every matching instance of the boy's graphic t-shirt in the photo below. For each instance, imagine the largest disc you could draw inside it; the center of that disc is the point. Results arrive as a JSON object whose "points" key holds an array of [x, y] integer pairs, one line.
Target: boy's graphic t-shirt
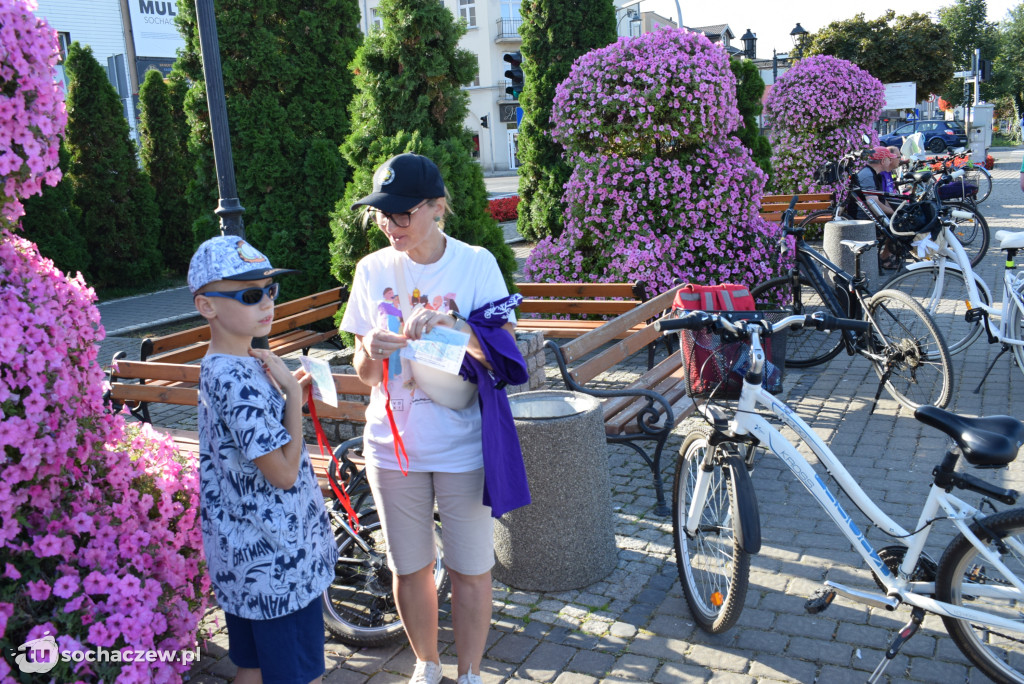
{"points": [[437, 439], [269, 551]]}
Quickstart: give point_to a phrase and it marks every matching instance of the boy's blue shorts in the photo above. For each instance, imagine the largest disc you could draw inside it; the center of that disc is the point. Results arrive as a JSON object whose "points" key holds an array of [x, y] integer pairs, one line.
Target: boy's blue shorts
{"points": [[287, 650]]}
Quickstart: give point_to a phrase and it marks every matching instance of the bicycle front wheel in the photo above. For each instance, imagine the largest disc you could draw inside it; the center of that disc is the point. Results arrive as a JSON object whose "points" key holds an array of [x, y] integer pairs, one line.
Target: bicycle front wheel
{"points": [[966, 578], [943, 294], [804, 348], [971, 231], [980, 177], [713, 568], [359, 607], [908, 351]]}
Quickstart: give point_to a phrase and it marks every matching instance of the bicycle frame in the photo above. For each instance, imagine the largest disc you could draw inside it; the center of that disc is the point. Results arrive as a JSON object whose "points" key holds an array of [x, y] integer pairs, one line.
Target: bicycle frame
{"points": [[747, 421], [953, 257]]}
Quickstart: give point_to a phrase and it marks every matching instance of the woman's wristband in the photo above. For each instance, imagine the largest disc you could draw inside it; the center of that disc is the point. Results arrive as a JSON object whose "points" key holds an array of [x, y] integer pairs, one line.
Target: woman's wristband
{"points": [[460, 321]]}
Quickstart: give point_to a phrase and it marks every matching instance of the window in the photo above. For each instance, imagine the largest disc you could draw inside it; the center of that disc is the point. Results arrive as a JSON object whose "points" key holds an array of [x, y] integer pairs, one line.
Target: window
{"points": [[510, 9], [375, 20], [905, 129], [467, 11], [64, 39]]}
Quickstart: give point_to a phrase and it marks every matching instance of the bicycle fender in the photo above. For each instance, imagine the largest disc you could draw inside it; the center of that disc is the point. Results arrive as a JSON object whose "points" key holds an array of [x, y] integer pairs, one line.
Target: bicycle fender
{"points": [[748, 529], [952, 266]]}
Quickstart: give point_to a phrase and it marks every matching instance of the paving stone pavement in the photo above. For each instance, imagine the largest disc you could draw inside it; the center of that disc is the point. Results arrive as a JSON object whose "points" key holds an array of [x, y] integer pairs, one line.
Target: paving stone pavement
{"points": [[634, 624]]}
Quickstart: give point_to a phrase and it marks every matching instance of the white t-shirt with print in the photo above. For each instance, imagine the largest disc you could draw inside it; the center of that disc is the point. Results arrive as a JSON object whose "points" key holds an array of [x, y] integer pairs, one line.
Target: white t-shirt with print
{"points": [[436, 438]]}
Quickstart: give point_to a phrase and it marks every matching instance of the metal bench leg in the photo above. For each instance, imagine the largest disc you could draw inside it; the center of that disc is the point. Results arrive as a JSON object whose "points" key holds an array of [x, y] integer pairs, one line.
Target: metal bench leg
{"points": [[654, 463]]}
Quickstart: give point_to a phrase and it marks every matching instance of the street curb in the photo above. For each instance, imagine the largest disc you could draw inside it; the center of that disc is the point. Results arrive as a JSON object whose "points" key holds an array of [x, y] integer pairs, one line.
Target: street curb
{"points": [[151, 324]]}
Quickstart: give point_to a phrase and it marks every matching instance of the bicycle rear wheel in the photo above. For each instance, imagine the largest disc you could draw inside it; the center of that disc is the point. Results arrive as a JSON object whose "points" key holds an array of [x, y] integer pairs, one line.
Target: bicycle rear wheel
{"points": [[966, 578], [908, 351], [713, 568], [1015, 325], [944, 300], [804, 348], [359, 606], [971, 232]]}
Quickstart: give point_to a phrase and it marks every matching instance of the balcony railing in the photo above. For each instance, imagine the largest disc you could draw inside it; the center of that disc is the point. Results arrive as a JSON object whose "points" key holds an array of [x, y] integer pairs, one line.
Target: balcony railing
{"points": [[508, 30]]}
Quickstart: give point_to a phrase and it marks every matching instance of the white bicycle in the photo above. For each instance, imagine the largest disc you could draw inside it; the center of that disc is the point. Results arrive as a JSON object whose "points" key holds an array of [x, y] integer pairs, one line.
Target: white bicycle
{"points": [[959, 300], [977, 587]]}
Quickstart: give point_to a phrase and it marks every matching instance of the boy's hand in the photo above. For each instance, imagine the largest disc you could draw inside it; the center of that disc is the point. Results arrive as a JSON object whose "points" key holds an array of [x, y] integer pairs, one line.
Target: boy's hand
{"points": [[280, 376]]}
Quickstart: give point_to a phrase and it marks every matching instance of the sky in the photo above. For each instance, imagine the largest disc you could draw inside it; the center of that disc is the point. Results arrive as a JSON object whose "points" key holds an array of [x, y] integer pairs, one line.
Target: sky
{"points": [[772, 20]]}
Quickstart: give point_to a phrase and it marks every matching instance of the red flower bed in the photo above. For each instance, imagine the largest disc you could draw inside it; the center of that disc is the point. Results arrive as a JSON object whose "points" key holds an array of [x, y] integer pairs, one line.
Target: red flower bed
{"points": [[504, 209]]}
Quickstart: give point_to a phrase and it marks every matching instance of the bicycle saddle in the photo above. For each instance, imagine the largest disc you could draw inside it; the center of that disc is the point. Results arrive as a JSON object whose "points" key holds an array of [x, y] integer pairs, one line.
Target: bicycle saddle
{"points": [[1009, 239], [858, 246], [988, 442], [921, 176]]}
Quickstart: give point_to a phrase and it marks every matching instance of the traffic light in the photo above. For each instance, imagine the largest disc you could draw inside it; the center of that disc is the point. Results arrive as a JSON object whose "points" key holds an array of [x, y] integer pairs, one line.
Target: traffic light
{"points": [[985, 69], [483, 121], [515, 74]]}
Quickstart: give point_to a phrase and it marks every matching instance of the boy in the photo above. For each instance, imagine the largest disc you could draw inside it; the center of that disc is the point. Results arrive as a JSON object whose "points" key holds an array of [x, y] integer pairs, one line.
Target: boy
{"points": [[267, 538]]}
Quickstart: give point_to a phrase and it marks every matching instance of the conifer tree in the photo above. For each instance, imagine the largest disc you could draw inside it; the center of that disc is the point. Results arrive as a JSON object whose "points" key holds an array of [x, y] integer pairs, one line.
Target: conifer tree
{"points": [[554, 34], [119, 220], [163, 162], [409, 99], [749, 90], [51, 221], [288, 87]]}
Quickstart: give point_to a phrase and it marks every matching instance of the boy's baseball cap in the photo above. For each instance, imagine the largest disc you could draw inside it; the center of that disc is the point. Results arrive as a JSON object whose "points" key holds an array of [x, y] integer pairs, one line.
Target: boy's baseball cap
{"points": [[229, 257], [402, 182]]}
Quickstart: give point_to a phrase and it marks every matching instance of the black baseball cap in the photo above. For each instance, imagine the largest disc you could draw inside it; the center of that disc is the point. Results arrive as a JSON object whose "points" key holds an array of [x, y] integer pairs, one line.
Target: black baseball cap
{"points": [[402, 182]]}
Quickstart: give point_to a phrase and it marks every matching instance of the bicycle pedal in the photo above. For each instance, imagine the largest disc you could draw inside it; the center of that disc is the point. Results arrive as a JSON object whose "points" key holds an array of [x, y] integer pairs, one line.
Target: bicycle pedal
{"points": [[821, 600], [974, 315]]}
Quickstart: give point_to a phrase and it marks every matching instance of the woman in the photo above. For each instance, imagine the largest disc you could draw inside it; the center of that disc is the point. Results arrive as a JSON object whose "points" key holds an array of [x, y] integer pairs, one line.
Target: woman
{"points": [[443, 445]]}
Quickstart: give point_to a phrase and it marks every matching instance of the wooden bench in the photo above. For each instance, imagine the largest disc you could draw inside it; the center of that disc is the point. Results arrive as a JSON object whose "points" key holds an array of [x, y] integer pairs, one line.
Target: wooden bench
{"points": [[134, 384], [647, 409], [287, 333], [772, 206], [566, 310]]}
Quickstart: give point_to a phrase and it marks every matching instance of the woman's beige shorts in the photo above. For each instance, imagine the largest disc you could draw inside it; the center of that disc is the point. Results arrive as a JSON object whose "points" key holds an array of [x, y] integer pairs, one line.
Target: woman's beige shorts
{"points": [[405, 504]]}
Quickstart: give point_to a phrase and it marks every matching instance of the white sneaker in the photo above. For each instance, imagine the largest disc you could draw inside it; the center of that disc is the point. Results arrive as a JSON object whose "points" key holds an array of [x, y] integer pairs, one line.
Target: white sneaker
{"points": [[470, 678], [426, 672]]}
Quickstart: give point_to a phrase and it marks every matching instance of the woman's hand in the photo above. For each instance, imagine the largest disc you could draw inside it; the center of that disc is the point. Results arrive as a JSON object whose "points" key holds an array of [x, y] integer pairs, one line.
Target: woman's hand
{"points": [[379, 344], [422, 320]]}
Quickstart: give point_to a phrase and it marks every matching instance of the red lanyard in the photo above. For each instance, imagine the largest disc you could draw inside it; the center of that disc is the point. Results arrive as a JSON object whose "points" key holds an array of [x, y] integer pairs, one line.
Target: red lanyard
{"points": [[342, 494], [399, 444]]}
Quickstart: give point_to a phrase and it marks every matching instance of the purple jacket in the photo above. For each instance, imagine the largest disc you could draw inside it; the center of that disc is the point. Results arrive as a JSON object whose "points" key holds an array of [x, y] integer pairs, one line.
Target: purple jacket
{"points": [[505, 485]]}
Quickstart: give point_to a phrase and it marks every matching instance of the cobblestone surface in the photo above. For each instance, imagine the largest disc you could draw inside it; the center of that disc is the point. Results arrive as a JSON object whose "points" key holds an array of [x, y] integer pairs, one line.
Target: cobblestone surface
{"points": [[634, 624]]}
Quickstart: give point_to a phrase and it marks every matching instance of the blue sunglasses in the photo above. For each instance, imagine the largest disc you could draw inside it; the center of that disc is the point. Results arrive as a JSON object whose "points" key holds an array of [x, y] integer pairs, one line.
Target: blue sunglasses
{"points": [[250, 295]]}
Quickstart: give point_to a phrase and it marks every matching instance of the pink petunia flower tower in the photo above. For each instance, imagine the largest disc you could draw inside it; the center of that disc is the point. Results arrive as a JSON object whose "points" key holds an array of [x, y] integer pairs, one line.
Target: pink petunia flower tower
{"points": [[661, 189], [99, 538]]}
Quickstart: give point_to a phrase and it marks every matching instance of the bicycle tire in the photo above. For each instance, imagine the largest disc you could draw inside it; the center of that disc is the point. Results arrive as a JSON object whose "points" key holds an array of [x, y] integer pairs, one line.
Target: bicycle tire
{"points": [[979, 176], [714, 570], [804, 348], [993, 651], [1016, 327], [947, 306], [359, 607], [972, 233], [904, 339]]}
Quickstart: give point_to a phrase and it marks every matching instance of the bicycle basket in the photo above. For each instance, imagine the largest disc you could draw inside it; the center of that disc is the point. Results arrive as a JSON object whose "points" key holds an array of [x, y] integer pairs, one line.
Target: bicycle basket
{"points": [[912, 218], [715, 366]]}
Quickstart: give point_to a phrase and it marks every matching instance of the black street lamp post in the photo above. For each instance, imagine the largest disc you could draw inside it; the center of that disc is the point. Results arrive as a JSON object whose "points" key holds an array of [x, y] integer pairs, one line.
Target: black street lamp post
{"points": [[229, 209], [798, 34]]}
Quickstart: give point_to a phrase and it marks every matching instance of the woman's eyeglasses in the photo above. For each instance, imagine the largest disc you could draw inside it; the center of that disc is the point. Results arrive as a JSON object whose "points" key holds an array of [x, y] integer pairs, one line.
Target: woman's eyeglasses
{"points": [[250, 295], [401, 219]]}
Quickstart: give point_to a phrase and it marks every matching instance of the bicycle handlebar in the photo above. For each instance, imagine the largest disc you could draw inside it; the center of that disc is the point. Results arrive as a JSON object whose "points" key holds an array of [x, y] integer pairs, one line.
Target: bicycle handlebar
{"points": [[742, 328]]}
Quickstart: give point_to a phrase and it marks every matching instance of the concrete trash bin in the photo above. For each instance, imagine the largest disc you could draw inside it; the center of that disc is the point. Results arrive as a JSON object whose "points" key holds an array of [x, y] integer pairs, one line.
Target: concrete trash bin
{"points": [[564, 539], [835, 231]]}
